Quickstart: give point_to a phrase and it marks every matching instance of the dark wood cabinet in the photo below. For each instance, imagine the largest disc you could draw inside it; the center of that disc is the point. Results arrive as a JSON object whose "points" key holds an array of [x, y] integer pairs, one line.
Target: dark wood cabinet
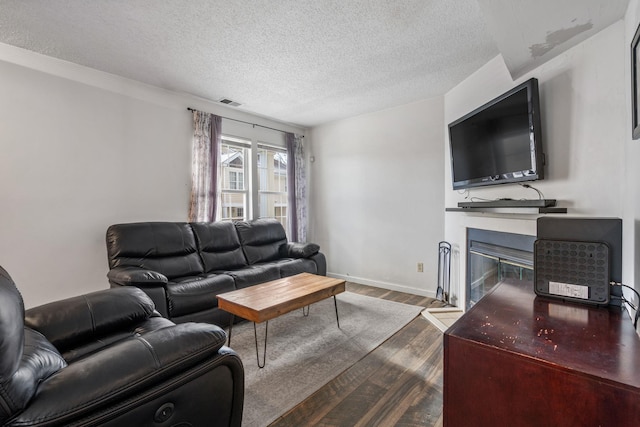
{"points": [[515, 359]]}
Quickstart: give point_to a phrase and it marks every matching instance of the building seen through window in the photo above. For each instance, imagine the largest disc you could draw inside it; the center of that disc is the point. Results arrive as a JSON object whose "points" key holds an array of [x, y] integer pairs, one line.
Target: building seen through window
{"points": [[233, 192], [237, 195]]}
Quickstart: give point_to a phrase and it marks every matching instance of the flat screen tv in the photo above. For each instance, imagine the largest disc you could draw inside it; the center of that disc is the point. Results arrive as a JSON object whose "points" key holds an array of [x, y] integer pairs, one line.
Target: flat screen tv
{"points": [[499, 142]]}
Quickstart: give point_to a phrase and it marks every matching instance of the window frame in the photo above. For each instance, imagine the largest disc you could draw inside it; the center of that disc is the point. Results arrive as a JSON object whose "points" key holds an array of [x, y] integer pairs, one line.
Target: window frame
{"points": [[246, 171], [277, 171]]}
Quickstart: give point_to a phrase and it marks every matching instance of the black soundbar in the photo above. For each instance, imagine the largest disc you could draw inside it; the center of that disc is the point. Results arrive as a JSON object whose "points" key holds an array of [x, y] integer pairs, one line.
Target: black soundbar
{"points": [[510, 203]]}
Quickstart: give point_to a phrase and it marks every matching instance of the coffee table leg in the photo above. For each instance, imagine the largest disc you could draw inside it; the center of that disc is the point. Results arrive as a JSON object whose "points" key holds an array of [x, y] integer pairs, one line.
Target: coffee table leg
{"points": [[335, 303], [305, 313], [264, 353], [231, 328]]}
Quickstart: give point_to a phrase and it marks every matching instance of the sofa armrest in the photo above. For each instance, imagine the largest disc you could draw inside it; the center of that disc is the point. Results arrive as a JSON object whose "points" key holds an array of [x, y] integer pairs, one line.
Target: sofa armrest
{"points": [[301, 250], [151, 282], [119, 372], [135, 276], [73, 320], [321, 263]]}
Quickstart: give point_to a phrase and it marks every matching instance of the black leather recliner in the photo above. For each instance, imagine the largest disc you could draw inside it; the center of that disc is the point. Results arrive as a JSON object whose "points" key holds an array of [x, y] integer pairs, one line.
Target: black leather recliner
{"points": [[108, 358]]}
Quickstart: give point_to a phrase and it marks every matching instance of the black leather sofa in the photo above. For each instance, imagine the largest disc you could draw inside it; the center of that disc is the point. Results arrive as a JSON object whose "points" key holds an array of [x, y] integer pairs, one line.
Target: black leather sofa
{"points": [[184, 266], [109, 359]]}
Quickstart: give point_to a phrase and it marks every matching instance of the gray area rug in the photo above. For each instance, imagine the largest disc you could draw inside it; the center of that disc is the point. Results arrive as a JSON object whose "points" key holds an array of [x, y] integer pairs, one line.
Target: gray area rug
{"points": [[304, 353]]}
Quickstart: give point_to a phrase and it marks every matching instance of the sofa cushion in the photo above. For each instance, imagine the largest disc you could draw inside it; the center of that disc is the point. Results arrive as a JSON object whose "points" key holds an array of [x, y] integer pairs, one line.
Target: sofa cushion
{"points": [[219, 245], [254, 274], [215, 316], [262, 240], [168, 248], [194, 293]]}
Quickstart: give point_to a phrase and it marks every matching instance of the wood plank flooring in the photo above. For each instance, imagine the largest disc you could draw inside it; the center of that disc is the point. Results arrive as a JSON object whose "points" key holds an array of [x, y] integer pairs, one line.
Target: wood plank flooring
{"points": [[397, 384]]}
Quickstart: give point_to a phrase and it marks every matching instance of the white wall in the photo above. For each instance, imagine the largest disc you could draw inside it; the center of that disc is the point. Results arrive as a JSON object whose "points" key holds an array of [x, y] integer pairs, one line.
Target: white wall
{"points": [[82, 150], [376, 196], [583, 94]]}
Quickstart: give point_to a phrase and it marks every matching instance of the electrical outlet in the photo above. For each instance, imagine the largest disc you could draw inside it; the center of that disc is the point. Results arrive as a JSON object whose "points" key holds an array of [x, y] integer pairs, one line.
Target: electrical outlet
{"points": [[420, 267]]}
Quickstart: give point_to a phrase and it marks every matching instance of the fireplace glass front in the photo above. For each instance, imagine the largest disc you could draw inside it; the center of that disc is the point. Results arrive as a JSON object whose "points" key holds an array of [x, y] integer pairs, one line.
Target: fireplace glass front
{"points": [[495, 256]]}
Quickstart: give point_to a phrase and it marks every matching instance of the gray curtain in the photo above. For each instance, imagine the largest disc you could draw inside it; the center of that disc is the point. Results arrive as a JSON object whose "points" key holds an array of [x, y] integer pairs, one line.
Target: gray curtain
{"points": [[297, 188], [205, 166]]}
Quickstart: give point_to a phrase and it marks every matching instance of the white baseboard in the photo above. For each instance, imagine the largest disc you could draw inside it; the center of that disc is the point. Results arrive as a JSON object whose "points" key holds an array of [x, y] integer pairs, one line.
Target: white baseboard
{"points": [[384, 285]]}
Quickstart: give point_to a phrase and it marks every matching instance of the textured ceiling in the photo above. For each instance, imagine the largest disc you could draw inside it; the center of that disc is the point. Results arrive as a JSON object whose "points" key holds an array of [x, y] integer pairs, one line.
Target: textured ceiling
{"points": [[304, 62], [529, 33]]}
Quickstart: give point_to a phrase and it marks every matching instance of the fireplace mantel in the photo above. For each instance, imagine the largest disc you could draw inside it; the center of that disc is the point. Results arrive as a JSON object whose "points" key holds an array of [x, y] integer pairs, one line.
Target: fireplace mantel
{"points": [[510, 211]]}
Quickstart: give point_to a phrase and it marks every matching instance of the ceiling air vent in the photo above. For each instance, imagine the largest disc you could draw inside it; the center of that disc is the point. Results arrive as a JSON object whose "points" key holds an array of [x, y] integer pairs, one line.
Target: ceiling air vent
{"points": [[230, 102]]}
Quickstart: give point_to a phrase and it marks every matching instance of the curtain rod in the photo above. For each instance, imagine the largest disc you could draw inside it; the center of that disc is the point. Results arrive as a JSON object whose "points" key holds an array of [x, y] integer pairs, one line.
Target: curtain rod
{"points": [[249, 123]]}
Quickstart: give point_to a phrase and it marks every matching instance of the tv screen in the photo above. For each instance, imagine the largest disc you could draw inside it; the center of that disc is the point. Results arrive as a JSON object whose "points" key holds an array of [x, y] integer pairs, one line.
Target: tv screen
{"points": [[499, 142]]}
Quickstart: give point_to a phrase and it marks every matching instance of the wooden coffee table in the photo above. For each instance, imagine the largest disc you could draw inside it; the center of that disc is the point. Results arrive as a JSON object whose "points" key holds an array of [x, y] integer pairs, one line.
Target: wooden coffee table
{"points": [[266, 301]]}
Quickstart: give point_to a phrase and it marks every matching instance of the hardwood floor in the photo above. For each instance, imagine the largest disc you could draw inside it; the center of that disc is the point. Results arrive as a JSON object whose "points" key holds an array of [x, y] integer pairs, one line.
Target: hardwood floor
{"points": [[397, 384]]}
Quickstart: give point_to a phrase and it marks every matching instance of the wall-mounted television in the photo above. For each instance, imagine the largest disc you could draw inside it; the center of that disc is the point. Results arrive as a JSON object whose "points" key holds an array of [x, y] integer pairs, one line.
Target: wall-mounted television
{"points": [[499, 142]]}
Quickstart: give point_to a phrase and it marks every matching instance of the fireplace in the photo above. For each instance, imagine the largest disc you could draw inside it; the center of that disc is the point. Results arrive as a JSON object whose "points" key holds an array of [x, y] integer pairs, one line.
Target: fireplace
{"points": [[493, 256]]}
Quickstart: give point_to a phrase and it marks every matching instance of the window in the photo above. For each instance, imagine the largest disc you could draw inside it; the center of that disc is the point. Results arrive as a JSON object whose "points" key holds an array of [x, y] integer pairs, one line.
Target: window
{"points": [[236, 180], [253, 187], [234, 155], [272, 174]]}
